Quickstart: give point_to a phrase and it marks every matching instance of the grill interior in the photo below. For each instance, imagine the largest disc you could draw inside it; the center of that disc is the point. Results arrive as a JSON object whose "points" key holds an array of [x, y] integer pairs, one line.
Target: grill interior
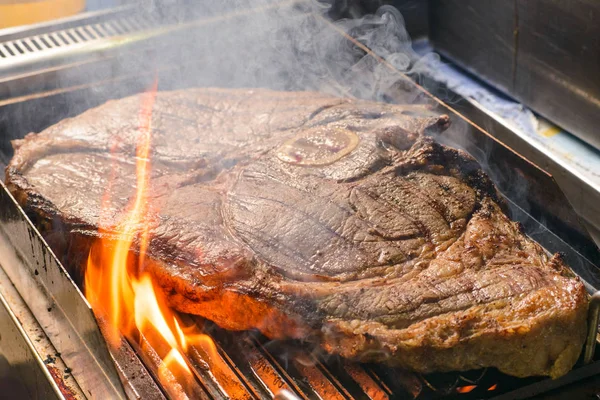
{"points": [[241, 365], [250, 366]]}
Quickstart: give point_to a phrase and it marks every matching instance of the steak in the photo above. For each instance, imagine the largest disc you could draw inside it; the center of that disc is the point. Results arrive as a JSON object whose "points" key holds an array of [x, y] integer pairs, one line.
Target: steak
{"points": [[314, 217]]}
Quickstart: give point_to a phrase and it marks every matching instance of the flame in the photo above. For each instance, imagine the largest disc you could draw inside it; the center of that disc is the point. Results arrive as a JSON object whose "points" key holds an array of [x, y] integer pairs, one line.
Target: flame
{"points": [[108, 285], [124, 294], [465, 389], [149, 315]]}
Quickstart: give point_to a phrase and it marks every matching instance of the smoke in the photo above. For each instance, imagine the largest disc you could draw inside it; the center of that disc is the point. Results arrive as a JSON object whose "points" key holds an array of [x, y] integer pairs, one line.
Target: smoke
{"points": [[282, 45]]}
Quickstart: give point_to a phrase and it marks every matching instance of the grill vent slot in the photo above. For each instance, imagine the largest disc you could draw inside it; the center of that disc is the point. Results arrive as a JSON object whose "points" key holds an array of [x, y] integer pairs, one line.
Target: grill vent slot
{"points": [[74, 37]]}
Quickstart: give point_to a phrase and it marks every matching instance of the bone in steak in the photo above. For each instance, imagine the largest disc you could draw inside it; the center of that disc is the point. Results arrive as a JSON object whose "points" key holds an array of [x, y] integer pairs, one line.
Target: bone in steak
{"points": [[309, 216]]}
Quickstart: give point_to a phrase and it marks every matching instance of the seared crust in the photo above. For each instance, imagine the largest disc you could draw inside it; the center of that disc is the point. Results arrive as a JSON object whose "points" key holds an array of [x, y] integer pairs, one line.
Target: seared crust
{"points": [[398, 251]]}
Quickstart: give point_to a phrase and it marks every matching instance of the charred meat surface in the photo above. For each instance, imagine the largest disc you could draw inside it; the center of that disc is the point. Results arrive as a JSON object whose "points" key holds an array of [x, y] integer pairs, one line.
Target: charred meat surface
{"points": [[308, 216]]}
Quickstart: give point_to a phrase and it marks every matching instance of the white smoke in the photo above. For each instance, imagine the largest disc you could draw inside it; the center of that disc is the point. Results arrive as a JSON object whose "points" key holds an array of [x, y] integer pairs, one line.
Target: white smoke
{"points": [[285, 45]]}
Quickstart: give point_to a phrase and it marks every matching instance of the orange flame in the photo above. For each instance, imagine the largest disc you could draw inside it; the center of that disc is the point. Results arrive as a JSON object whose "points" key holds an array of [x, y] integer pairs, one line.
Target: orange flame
{"points": [[465, 389], [108, 284], [127, 296]]}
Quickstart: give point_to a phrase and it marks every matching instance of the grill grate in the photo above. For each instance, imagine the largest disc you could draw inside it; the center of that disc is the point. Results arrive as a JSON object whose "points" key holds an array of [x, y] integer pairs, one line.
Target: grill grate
{"points": [[70, 38], [249, 366]]}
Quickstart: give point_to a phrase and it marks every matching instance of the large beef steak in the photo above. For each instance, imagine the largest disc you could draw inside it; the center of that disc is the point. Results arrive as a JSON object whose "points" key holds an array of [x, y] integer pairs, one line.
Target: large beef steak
{"points": [[309, 216]]}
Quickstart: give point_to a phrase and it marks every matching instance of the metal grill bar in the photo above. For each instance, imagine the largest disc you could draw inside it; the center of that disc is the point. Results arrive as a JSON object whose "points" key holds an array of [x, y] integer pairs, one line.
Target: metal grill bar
{"points": [[249, 366], [73, 36], [54, 45], [270, 366]]}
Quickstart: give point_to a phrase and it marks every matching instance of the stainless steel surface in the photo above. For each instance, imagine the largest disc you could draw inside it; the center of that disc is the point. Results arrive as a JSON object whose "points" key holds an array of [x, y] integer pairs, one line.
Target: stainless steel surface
{"points": [[286, 395], [545, 53], [57, 303], [23, 49], [594, 232], [592, 336], [29, 367], [137, 381]]}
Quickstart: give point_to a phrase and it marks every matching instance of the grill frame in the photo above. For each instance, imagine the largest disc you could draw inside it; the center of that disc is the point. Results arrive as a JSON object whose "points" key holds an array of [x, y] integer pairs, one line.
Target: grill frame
{"points": [[126, 366], [80, 36]]}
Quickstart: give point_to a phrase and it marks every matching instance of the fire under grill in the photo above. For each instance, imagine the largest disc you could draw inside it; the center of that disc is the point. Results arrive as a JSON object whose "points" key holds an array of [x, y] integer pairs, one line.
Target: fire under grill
{"points": [[62, 338]]}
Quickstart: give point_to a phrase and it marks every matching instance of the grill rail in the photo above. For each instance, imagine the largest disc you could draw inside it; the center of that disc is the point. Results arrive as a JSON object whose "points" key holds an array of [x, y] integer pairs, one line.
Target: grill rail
{"points": [[70, 38]]}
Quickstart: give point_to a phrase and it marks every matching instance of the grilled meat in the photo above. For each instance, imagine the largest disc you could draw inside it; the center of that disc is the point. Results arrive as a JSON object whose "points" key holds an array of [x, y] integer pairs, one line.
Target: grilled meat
{"points": [[308, 216]]}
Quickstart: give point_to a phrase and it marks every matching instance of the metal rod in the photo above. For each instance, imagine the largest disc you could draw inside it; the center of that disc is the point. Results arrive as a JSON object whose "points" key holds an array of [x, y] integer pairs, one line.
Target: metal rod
{"points": [[593, 316], [285, 394], [179, 386]]}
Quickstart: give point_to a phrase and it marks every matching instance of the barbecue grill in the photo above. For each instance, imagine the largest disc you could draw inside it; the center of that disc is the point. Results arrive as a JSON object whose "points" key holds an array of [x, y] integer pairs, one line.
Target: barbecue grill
{"points": [[52, 345]]}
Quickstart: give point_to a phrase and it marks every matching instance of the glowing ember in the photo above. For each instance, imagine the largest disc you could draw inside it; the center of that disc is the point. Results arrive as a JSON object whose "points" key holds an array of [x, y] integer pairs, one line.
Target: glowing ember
{"points": [[465, 389], [493, 387], [119, 289]]}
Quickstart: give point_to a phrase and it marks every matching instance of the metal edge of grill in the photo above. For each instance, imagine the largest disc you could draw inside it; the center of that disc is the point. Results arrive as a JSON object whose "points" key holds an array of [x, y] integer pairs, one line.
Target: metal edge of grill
{"points": [[257, 368], [81, 35]]}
